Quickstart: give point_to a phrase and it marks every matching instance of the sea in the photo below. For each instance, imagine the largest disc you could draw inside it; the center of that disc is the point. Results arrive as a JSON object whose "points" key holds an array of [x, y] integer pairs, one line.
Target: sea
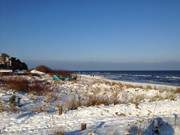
{"points": [[155, 77]]}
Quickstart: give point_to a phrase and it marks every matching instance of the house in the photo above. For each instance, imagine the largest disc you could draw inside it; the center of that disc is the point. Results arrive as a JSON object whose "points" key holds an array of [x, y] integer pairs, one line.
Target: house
{"points": [[5, 61]]}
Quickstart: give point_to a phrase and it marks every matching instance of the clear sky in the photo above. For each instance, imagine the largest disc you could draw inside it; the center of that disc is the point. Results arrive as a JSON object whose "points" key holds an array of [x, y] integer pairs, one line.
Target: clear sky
{"points": [[93, 34]]}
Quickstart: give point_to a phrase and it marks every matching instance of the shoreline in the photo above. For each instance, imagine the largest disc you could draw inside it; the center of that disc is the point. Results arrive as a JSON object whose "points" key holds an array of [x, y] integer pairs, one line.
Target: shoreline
{"points": [[153, 85]]}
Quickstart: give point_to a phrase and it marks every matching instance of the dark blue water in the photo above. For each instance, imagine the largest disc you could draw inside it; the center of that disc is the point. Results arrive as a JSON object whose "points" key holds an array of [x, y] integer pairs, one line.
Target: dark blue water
{"points": [[156, 77]]}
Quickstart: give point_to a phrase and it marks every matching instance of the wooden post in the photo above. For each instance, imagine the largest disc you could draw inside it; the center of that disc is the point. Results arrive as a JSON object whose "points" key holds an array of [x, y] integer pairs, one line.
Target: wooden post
{"points": [[12, 100], [18, 102], [175, 119], [83, 126], [60, 109], [1, 107]]}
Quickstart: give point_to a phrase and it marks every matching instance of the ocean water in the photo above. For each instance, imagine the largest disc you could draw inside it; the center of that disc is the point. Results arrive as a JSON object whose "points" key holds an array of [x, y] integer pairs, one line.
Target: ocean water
{"points": [[156, 77]]}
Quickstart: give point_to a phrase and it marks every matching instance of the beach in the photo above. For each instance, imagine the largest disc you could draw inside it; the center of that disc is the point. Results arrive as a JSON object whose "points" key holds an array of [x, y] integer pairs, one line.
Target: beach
{"points": [[89, 67], [105, 106]]}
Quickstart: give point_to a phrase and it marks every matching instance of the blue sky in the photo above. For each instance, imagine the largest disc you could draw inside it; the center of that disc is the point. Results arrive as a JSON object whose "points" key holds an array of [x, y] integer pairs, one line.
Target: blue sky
{"points": [[93, 34]]}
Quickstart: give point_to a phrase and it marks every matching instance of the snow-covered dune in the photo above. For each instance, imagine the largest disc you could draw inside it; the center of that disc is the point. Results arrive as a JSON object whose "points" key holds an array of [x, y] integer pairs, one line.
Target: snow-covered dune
{"points": [[126, 105]]}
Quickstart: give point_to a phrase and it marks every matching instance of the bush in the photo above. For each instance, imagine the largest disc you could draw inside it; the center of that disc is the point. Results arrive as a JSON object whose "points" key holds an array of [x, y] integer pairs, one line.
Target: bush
{"points": [[43, 69], [38, 87], [59, 133], [13, 104], [93, 100], [177, 90], [21, 84], [62, 73]]}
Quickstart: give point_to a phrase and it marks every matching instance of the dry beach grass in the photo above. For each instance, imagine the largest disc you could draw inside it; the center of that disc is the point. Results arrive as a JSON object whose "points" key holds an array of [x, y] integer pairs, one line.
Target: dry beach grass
{"points": [[19, 83], [87, 92]]}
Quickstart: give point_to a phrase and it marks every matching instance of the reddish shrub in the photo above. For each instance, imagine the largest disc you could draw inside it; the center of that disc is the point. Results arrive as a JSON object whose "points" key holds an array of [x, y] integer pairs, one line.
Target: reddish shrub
{"points": [[39, 87], [177, 90], [48, 70], [19, 85], [44, 69]]}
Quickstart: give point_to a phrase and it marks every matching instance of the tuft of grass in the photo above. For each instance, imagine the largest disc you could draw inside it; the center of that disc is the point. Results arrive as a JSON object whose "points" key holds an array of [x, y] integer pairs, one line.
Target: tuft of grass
{"points": [[114, 98], [93, 100], [59, 133], [135, 130], [13, 104], [39, 109], [120, 115], [169, 96], [127, 86], [156, 98], [74, 104], [39, 88], [1, 107], [148, 87], [83, 126], [137, 100], [60, 109]]}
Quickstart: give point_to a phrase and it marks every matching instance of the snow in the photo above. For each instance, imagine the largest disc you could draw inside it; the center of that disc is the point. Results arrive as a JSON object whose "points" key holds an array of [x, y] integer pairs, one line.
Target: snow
{"points": [[5, 71], [138, 106], [37, 72]]}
